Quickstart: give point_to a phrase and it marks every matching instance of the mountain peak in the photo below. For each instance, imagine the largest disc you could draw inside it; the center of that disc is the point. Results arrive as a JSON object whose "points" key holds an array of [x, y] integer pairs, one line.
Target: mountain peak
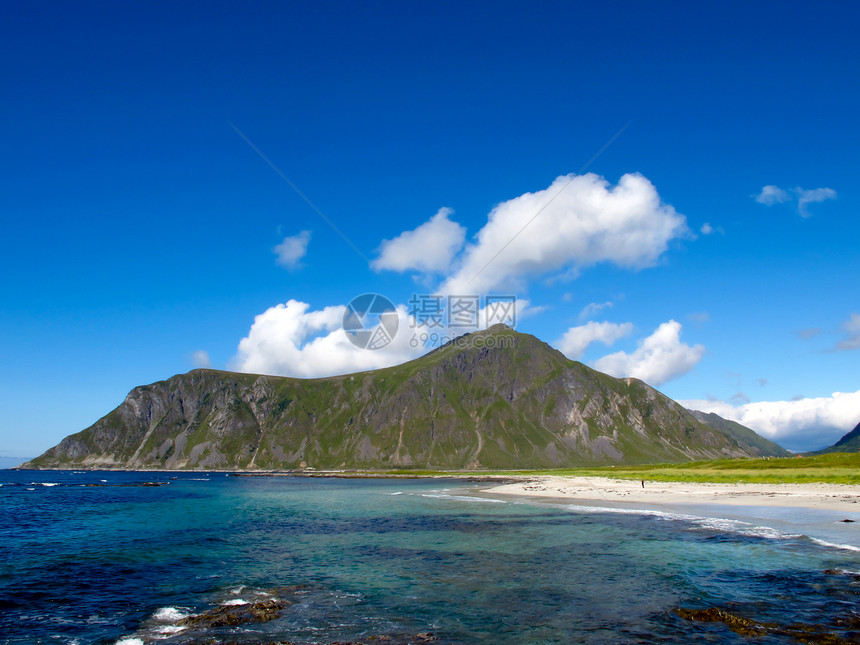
{"points": [[496, 398]]}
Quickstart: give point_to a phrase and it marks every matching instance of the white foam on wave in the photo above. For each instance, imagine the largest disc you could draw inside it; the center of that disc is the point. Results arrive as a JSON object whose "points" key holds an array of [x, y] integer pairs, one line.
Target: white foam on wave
{"points": [[130, 641], [715, 524], [170, 614], [237, 590], [169, 630], [400, 492], [44, 484], [234, 602], [834, 545]]}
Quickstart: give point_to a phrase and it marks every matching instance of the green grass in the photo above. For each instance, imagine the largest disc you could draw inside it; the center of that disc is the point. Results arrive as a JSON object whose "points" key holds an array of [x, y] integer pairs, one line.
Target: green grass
{"points": [[834, 468]]}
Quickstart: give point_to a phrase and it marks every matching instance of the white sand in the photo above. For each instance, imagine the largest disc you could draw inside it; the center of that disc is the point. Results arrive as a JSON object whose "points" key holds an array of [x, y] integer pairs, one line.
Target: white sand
{"points": [[833, 497]]}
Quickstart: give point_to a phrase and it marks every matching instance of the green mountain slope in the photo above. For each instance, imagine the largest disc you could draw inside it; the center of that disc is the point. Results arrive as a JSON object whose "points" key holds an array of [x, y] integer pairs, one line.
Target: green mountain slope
{"points": [[498, 399], [757, 444]]}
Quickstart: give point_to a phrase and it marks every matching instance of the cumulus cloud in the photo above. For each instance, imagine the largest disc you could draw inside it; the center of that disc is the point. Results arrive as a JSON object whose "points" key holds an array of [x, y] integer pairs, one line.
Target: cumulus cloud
{"points": [[200, 358], [429, 248], [577, 339], [576, 222], [801, 424], [801, 197], [291, 340], [292, 250], [659, 358], [592, 309], [706, 229], [851, 327]]}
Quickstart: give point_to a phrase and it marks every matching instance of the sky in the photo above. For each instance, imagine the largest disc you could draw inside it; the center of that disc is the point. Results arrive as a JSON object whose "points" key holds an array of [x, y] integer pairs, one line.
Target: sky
{"points": [[663, 190]]}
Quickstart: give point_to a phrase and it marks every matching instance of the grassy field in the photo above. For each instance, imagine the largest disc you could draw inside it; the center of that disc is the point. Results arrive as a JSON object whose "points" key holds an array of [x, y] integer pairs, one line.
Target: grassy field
{"points": [[835, 468]]}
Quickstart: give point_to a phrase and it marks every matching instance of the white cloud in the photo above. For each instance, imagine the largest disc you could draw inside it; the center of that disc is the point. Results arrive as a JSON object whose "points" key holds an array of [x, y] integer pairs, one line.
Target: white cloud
{"points": [[577, 339], [659, 358], [771, 195], [706, 229], [592, 309], [805, 197], [292, 249], [852, 328], [581, 220], [429, 248], [200, 358], [290, 340], [802, 424], [577, 222]]}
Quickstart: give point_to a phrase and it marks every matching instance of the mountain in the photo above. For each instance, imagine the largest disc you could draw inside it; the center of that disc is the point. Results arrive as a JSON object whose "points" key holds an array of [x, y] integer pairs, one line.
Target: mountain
{"points": [[849, 443], [760, 446], [492, 399]]}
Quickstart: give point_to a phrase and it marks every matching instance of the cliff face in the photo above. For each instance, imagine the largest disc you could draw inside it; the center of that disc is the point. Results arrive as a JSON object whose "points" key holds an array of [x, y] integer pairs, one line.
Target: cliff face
{"points": [[483, 405]]}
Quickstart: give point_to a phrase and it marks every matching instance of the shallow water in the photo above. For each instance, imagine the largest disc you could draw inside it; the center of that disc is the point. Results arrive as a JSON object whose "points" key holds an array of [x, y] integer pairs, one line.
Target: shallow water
{"points": [[121, 562]]}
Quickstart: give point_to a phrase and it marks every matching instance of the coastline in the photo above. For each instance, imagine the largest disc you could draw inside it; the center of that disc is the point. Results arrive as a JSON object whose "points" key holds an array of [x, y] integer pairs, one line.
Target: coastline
{"points": [[828, 514], [844, 498], [579, 489]]}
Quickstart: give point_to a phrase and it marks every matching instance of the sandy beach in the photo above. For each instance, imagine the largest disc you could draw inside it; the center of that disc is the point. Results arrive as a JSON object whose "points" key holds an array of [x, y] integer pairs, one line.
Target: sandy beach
{"points": [[607, 491]]}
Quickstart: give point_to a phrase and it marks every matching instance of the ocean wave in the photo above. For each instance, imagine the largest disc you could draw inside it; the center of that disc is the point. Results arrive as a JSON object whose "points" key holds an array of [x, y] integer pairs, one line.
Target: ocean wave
{"points": [[170, 614], [834, 545], [132, 640], [737, 527], [234, 602]]}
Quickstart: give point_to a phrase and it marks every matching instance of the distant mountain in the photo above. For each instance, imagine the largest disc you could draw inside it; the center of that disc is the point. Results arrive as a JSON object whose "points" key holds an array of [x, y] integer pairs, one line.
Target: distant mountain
{"points": [[494, 399], [760, 446], [849, 443]]}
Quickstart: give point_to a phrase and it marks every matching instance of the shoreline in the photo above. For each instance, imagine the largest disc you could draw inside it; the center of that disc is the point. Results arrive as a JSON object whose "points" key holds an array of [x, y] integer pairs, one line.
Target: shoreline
{"points": [[843, 498], [587, 489]]}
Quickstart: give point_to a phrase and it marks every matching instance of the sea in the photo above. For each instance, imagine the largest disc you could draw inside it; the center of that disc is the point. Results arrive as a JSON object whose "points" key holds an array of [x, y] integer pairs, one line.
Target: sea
{"points": [[131, 558]]}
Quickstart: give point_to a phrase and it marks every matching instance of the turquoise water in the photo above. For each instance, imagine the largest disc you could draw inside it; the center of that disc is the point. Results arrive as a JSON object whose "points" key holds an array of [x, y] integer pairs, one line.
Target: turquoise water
{"points": [[100, 558]]}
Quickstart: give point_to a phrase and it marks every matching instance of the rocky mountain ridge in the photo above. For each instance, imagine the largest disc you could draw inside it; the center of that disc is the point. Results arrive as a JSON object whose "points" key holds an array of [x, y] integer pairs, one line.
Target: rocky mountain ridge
{"points": [[478, 403]]}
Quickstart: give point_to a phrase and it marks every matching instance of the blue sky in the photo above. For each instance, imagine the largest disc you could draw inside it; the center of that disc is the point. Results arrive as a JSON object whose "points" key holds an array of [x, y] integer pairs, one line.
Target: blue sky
{"points": [[139, 229]]}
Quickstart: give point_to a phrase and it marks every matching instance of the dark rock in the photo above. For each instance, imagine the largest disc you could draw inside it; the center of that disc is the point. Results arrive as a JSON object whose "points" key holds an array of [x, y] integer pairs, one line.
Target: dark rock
{"points": [[261, 611], [802, 633]]}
